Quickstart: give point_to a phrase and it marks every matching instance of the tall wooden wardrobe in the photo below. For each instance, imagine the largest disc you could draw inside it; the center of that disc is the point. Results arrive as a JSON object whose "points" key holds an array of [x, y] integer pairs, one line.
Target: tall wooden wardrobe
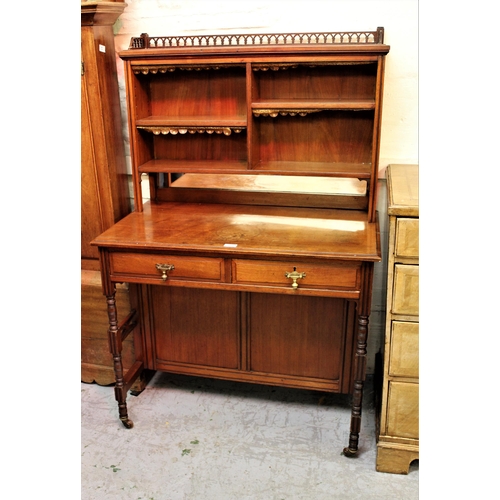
{"points": [[104, 190]]}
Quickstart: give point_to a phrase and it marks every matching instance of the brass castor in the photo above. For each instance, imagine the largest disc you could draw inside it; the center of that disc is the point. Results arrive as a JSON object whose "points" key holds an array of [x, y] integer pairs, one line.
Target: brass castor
{"points": [[350, 453], [127, 422]]}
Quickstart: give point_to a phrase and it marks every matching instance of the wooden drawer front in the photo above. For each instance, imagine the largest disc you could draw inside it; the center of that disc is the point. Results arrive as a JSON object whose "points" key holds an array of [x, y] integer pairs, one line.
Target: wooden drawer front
{"points": [[325, 276], [405, 293], [406, 238], [403, 361], [402, 410], [185, 268]]}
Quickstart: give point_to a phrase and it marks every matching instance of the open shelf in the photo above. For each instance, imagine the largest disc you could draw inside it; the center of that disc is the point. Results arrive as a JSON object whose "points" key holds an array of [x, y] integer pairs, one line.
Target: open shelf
{"points": [[303, 107], [278, 111], [160, 125], [313, 169], [192, 166]]}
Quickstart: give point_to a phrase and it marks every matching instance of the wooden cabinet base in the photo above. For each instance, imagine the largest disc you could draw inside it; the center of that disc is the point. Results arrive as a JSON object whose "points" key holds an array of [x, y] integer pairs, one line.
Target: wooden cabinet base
{"points": [[395, 460], [96, 358]]}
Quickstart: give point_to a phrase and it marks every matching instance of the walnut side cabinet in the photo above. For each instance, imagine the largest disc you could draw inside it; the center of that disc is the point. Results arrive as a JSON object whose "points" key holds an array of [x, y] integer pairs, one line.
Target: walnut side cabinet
{"points": [[255, 254], [397, 445]]}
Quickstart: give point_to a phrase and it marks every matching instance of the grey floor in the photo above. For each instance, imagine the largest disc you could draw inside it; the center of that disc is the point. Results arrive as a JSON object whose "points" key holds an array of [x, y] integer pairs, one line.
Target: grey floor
{"points": [[202, 439]]}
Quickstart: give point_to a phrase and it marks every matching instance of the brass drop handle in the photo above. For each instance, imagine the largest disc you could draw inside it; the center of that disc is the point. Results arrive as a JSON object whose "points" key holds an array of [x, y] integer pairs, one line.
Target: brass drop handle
{"points": [[164, 268], [295, 276]]}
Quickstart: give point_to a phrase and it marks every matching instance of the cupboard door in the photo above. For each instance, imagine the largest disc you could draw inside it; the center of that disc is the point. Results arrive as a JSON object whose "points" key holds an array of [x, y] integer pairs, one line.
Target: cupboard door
{"points": [[196, 326], [299, 336]]}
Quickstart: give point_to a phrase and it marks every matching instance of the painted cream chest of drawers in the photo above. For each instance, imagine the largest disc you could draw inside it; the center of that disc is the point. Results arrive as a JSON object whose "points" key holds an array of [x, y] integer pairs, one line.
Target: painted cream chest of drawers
{"points": [[398, 442]]}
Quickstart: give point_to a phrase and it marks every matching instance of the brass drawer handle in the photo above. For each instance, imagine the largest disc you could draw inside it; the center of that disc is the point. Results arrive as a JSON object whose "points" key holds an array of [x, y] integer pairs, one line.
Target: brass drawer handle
{"points": [[164, 268], [295, 276]]}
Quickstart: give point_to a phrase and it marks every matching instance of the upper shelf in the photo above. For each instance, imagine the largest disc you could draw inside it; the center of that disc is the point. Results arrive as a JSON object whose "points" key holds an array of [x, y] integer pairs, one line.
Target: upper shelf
{"points": [[192, 124], [305, 106]]}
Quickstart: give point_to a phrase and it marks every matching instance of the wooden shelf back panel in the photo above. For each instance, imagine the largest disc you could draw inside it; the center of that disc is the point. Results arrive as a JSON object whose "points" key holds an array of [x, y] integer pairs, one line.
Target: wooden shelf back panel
{"points": [[208, 93], [329, 137], [201, 147], [346, 81]]}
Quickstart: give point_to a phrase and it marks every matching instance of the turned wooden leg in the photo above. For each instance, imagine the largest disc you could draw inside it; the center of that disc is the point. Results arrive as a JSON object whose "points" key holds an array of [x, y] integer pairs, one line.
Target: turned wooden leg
{"points": [[115, 346], [359, 380]]}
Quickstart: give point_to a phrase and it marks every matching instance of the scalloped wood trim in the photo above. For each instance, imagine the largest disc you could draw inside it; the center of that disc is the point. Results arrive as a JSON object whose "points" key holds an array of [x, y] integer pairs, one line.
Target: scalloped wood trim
{"points": [[157, 130]]}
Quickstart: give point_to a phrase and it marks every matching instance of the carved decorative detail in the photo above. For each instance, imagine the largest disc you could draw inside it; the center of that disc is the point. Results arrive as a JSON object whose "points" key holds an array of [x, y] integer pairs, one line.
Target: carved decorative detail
{"points": [[273, 113], [282, 66], [273, 67], [164, 130], [169, 68], [329, 38]]}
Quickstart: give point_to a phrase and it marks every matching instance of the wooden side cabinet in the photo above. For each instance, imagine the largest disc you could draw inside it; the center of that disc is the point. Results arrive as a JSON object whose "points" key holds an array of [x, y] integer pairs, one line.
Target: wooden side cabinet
{"points": [[104, 184], [398, 440]]}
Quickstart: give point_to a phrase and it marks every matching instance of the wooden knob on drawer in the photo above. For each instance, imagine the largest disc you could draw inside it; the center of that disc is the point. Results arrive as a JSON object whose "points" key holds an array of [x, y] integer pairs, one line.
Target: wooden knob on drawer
{"points": [[164, 268]]}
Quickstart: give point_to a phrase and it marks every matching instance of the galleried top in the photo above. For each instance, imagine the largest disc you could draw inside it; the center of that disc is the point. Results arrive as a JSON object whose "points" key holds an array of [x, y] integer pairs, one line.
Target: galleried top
{"points": [[258, 40]]}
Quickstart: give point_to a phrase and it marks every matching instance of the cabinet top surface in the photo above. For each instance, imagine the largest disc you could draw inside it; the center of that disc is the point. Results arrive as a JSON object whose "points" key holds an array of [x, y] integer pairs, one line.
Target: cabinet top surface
{"points": [[237, 230], [402, 190]]}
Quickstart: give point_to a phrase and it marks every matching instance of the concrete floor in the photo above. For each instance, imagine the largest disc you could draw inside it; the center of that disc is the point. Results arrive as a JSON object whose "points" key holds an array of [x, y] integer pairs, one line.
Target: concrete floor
{"points": [[203, 439]]}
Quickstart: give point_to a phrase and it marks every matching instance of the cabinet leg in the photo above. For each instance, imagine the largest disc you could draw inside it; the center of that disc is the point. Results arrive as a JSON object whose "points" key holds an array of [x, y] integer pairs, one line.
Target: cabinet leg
{"points": [[359, 381], [115, 346]]}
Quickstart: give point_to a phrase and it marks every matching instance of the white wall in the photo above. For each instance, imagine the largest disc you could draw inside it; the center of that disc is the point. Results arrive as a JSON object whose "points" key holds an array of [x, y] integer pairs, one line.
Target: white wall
{"points": [[399, 141]]}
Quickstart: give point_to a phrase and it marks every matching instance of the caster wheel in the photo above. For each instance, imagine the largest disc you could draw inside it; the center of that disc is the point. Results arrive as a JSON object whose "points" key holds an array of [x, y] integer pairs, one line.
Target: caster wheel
{"points": [[127, 423], [350, 453]]}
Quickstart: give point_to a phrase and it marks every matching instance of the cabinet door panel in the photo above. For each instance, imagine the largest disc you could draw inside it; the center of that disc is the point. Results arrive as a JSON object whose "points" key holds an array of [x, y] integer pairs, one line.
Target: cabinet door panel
{"points": [[196, 326], [301, 336]]}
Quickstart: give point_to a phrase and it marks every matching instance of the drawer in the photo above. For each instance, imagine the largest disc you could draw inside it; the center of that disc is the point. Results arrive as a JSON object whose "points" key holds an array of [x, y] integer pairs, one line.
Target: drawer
{"points": [[403, 359], [345, 276], [130, 264], [406, 238], [402, 410], [405, 291]]}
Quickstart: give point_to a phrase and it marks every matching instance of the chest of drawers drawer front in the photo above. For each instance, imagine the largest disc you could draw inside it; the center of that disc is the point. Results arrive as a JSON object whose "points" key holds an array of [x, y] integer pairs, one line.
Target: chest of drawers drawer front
{"points": [[402, 410], [403, 361], [185, 268], [405, 293], [345, 276], [406, 237]]}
